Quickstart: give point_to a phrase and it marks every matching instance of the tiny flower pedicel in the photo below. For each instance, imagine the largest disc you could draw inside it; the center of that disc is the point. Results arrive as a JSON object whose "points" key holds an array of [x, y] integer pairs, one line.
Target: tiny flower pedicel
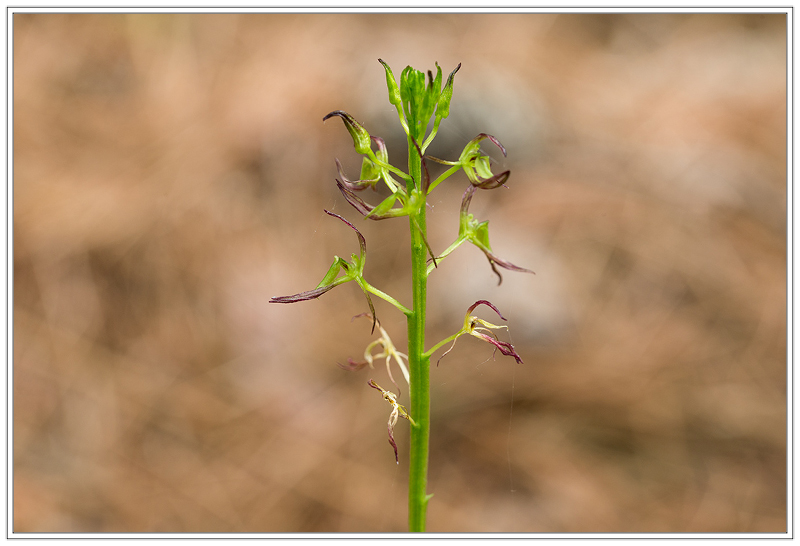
{"points": [[417, 100]]}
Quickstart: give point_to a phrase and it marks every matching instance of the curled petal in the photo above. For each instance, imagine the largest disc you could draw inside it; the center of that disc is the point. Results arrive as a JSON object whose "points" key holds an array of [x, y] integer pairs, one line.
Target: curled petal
{"points": [[506, 348], [361, 206], [491, 183], [361, 241], [483, 136], [391, 437], [382, 153], [486, 303], [356, 185], [504, 264], [352, 365], [466, 199], [303, 296], [361, 315], [503, 346]]}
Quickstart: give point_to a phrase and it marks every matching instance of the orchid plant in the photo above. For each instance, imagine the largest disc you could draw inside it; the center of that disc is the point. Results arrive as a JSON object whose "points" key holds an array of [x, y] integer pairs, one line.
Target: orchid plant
{"points": [[416, 103]]}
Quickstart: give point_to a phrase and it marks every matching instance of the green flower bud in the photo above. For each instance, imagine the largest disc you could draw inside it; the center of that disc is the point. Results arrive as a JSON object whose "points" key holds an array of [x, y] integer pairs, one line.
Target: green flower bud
{"points": [[443, 106], [394, 90], [361, 138]]}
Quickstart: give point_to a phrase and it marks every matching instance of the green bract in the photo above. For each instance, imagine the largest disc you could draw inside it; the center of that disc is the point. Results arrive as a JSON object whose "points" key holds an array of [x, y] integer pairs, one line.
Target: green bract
{"points": [[391, 83], [443, 105]]}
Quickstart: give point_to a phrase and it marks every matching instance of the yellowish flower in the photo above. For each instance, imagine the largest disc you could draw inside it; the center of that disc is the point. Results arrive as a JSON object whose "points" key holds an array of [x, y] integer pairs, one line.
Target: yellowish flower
{"points": [[397, 412]]}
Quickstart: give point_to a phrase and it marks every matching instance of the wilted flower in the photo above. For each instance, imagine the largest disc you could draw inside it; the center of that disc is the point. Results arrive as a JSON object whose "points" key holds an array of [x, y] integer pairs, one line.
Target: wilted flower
{"points": [[481, 329], [388, 352], [397, 412]]}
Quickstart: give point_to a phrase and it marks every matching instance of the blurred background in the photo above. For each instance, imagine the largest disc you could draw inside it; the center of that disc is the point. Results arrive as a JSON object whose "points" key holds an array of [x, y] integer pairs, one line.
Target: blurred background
{"points": [[170, 173]]}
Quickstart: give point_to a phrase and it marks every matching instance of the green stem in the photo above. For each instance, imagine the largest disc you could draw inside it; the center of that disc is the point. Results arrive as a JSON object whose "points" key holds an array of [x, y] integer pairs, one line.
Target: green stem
{"points": [[449, 172], [458, 242], [403, 309], [418, 363], [446, 340], [431, 136]]}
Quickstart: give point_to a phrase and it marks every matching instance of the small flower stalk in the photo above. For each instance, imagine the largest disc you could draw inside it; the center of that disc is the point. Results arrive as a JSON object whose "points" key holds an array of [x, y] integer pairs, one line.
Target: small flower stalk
{"points": [[418, 99]]}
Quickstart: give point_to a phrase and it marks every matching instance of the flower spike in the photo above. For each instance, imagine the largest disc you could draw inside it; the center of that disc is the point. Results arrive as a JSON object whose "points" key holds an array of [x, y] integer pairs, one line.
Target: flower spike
{"points": [[397, 412]]}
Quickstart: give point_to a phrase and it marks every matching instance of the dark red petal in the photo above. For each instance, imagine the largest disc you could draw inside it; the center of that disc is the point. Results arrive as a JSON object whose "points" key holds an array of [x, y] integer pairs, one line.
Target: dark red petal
{"points": [[361, 241], [372, 310], [488, 304], [494, 182], [303, 296], [507, 265], [355, 185], [504, 347], [504, 264], [394, 445], [466, 199], [352, 365], [493, 139], [359, 204]]}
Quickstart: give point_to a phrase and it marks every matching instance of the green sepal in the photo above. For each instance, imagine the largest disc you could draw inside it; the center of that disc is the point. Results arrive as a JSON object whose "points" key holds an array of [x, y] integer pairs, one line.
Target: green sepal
{"points": [[431, 96], [391, 84], [361, 138], [332, 273], [473, 231], [443, 105], [412, 92], [384, 206], [480, 236], [370, 171], [482, 167]]}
